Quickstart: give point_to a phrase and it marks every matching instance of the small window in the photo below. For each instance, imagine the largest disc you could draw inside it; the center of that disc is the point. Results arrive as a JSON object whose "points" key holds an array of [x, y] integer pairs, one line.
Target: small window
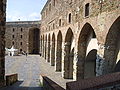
{"points": [[87, 10], [53, 26], [20, 43], [50, 7], [69, 19], [59, 22], [21, 36], [13, 43], [20, 50], [13, 36], [54, 2], [13, 29], [21, 29]]}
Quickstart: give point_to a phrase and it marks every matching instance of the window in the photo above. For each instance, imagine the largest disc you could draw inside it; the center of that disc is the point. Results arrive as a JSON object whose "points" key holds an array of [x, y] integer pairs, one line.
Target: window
{"points": [[54, 2], [20, 43], [59, 22], [12, 36], [13, 29], [13, 43], [50, 7], [21, 29], [87, 10], [69, 19], [21, 36], [53, 26], [20, 50]]}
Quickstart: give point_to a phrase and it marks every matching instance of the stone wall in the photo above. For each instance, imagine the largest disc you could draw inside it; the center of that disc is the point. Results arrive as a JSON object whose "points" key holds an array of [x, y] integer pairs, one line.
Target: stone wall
{"points": [[101, 23], [19, 32], [2, 41]]}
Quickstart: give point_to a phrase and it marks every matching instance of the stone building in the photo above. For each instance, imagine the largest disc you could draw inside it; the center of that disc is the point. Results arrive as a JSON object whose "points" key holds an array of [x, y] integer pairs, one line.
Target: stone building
{"points": [[23, 35], [80, 38]]}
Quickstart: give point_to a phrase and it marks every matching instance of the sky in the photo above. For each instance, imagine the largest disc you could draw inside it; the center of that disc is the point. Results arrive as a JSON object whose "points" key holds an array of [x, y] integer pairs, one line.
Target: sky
{"points": [[24, 10]]}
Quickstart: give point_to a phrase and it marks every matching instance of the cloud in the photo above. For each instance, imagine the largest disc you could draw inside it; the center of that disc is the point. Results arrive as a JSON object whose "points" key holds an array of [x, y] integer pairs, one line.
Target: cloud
{"points": [[16, 16]]}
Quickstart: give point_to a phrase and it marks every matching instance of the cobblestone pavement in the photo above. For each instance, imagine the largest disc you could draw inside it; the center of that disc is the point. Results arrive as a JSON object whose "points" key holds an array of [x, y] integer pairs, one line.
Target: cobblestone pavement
{"points": [[28, 69]]}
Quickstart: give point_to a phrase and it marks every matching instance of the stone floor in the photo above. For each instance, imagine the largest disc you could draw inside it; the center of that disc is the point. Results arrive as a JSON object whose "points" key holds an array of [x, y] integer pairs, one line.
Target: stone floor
{"points": [[29, 70], [49, 71]]}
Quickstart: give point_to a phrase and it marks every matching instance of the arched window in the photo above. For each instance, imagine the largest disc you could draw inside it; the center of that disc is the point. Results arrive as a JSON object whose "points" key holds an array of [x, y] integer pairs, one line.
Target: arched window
{"points": [[21, 29], [13, 43], [13, 29], [87, 10]]}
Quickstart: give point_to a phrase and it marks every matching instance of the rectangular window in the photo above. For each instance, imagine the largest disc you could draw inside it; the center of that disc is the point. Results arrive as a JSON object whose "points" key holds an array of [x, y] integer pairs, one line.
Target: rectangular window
{"points": [[12, 36], [20, 43], [21, 36], [87, 10]]}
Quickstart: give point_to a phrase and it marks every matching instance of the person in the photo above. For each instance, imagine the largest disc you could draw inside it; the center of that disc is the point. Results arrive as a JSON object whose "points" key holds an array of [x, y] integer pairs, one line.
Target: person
{"points": [[26, 54]]}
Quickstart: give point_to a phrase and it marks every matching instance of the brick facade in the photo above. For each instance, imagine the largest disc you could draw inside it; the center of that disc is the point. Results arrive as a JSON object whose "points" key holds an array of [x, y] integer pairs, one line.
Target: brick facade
{"points": [[86, 26], [19, 34]]}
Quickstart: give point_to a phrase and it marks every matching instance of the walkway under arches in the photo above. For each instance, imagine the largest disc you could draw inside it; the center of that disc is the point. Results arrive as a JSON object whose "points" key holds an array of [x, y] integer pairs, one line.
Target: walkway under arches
{"points": [[112, 44], [68, 55], [34, 42], [87, 42], [52, 61], [59, 52]]}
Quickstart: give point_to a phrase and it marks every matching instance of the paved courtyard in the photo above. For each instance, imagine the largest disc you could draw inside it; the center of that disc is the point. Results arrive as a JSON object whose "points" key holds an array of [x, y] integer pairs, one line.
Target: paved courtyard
{"points": [[29, 70]]}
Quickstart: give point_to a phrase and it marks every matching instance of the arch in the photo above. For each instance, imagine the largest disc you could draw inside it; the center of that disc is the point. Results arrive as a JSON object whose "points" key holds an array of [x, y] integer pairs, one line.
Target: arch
{"points": [[68, 55], [59, 52], [112, 46], [48, 57], [41, 42], [43, 46], [86, 42], [46, 46], [90, 64], [53, 50], [34, 43]]}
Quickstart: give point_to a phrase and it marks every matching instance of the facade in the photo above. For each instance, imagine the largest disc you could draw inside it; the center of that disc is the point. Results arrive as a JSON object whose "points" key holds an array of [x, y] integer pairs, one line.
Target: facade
{"points": [[23, 35], [80, 38]]}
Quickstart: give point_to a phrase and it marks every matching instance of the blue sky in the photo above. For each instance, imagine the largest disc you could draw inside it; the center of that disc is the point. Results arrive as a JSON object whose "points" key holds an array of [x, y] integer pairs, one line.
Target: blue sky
{"points": [[25, 10]]}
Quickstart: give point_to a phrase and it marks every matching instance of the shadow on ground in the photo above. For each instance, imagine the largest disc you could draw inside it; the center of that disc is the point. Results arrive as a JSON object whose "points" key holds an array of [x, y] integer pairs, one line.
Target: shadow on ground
{"points": [[18, 86]]}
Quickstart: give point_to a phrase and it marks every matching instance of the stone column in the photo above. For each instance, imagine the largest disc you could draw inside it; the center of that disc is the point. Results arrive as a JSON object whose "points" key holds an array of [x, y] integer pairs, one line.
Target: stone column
{"points": [[66, 60], [2, 41], [48, 50], [52, 61], [101, 63], [58, 59]]}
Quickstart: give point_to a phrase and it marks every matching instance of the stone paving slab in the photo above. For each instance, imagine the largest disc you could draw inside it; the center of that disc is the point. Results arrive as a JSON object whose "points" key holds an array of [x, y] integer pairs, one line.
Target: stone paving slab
{"points": [[28, 69], [49, 71]]}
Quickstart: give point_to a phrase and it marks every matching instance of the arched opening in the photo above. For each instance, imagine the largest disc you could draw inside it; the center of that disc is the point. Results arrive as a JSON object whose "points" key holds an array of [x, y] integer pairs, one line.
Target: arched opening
{"points": [[112, 47], [68, 55], [45, 46], [53, 50], [34, 42], [87, 43], [90, 64], [48, 58], [41, 45], [59, 52]]}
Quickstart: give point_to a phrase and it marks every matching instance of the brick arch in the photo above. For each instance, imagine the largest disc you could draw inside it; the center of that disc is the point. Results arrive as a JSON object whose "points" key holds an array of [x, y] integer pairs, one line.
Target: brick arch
{"points": [[48, 55], [59, 52], [86, 35], [52, 61], [112, 46], [34, 43], [68, 54]]}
